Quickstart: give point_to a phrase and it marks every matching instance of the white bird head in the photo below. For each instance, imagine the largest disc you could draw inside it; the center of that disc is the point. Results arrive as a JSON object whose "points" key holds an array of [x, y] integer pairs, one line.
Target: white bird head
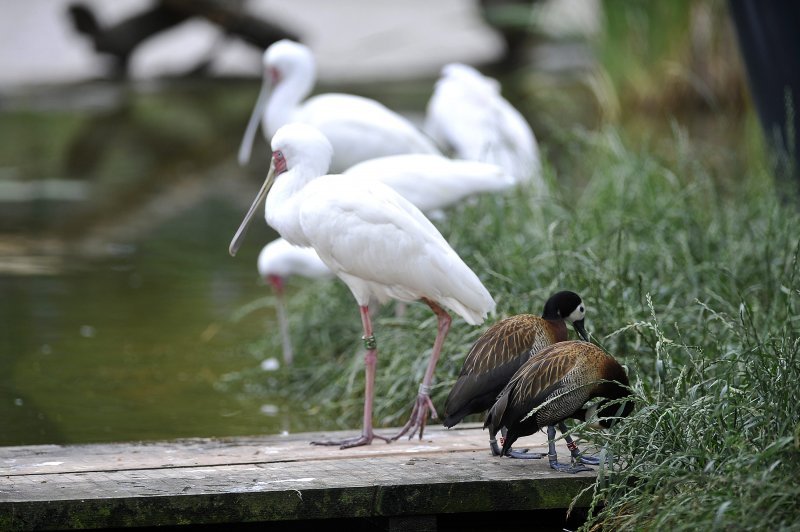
{"points": [[280, 260], [301, 148], [304, 148], [470, 76], [286, 63], [285, 59]]}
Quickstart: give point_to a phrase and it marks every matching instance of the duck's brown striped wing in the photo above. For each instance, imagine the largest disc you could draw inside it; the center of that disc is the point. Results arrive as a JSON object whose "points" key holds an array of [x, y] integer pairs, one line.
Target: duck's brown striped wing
{"points": [[503, 342], [535, 380], [568, 368], [492, 361], [541, 373]]}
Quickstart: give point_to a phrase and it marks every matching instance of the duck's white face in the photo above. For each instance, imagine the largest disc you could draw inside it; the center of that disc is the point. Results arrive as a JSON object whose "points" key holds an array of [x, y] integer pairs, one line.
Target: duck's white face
{"points": [[576, 319], [591, 417], [578, 314]]}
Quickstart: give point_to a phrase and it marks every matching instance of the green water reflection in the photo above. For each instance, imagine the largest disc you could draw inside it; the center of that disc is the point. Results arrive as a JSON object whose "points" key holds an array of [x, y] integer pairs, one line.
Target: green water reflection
{"points": [[133, 347], [115, 311]]}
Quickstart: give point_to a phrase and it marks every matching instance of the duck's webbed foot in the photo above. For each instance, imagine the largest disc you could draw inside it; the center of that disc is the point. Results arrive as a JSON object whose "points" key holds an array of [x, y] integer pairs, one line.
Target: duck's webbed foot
{"points": [[573, 448], [524, 454], [566, 468]]}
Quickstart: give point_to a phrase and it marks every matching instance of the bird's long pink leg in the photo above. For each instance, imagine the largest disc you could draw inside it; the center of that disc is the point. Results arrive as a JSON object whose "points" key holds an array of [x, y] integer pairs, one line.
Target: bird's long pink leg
{"points": [[419, 415], [283, 320], [370, 361]]}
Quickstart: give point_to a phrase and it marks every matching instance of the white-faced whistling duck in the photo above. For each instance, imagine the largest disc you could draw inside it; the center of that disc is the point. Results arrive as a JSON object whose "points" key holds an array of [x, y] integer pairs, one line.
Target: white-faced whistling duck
{"points": [[502, 349], [554, 385]]}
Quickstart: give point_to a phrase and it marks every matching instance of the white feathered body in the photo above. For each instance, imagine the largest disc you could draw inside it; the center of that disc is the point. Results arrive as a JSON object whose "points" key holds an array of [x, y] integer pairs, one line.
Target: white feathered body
{"points": [[283, 259], [468, 115], [434, 182], [359, 129], [375, 240]]}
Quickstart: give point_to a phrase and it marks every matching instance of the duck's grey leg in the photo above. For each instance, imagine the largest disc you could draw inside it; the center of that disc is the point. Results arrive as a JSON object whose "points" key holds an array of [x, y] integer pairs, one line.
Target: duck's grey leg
{"points": [[573, 448], [553, 456]]}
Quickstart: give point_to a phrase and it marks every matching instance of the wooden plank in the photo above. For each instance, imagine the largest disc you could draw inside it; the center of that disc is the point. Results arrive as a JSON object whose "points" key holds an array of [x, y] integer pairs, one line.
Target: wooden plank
{"points": [[195, 452], [271, 478]]}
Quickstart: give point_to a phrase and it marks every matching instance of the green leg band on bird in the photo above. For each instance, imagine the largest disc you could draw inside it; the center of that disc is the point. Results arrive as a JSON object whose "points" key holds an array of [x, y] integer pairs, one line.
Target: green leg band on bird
{"points": [[370, 342]]}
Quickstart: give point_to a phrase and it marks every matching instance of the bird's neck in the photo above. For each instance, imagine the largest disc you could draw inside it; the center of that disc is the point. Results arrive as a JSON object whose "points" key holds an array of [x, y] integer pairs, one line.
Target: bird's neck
{"points": [[282, 205], [286, 98], [609, 391], [558, 328]]}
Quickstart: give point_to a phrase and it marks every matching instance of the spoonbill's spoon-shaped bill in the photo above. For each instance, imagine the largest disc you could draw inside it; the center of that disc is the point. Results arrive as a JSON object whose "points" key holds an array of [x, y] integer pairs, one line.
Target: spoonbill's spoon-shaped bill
{"points": [[238, 238], [358, 128]]}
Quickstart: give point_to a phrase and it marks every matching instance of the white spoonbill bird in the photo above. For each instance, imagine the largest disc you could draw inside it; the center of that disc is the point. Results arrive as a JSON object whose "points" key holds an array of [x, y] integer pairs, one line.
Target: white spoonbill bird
{"points": [[467, 115], [358, 128], [278, 261], [374, 240], [431, 182], [434, 182]]}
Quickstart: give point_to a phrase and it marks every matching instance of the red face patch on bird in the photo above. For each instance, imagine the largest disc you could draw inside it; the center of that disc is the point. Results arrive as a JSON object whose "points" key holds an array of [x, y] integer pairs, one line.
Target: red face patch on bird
{"points": [[277, 283], [274, 75], [279, 161]]}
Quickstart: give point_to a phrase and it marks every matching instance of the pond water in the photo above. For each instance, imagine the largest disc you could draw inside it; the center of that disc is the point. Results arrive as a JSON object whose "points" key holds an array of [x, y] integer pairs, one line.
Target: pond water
{"points": [[132, 347], [118, 293]]}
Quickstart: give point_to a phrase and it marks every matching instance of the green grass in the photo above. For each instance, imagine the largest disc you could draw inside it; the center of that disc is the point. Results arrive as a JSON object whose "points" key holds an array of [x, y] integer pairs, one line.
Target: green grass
{"points": [[713, 351], [690, 281], [671, 56]]}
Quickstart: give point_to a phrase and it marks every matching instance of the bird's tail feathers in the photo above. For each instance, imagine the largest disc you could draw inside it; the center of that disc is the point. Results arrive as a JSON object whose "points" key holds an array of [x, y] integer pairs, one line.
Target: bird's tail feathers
{"points": [[495, 415], [474, 315]]}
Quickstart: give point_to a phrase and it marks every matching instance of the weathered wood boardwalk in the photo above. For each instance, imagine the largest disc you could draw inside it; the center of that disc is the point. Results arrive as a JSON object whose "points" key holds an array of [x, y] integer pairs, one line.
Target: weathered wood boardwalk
{"points": [[275, 479]]}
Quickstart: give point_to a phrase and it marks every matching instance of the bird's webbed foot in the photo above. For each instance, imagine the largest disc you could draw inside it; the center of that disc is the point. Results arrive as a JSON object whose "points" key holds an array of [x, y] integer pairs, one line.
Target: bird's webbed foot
{"points": [[567, 468], [577, 455], [357, 441], [524, 454]]}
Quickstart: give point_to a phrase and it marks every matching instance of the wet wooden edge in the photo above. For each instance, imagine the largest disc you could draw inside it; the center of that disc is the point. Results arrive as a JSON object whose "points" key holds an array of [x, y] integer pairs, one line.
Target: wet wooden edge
{"points": [[272, 478]]}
